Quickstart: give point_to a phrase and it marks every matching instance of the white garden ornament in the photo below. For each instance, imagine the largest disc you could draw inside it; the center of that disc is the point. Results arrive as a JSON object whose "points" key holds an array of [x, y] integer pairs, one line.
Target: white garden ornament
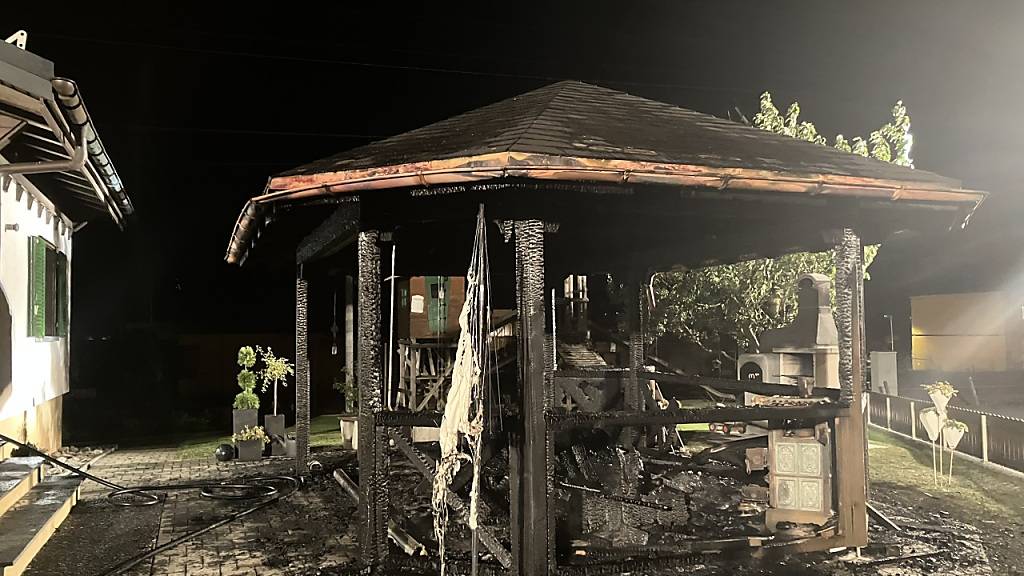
{"points": [[939, 427], [952, 432], [932, 422]]}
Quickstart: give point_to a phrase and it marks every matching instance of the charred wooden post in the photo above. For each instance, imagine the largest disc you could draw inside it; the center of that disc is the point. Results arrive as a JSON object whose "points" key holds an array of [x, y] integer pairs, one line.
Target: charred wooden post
{"points": [[301, 375], [632, 326], [350, 341], [373, 488], [850, 430], [532, 524]]}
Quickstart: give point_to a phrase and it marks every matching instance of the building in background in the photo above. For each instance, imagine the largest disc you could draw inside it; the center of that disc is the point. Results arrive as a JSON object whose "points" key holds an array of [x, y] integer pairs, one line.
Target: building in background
{"points": [[974, 332], [55, 175]]}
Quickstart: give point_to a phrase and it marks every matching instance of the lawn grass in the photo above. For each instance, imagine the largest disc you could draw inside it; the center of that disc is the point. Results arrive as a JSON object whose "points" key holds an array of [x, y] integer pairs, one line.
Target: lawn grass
{"points": [[976, 489], [323, 431]]}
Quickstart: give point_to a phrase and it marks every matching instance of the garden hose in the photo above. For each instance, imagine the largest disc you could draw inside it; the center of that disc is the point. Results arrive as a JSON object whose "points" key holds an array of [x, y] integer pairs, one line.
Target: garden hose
{"points": [[263, 480], [254, 488]]}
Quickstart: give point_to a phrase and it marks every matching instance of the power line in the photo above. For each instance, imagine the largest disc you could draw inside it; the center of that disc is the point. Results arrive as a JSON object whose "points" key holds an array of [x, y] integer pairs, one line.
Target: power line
{"points": [[212, 130], [402, 67]]}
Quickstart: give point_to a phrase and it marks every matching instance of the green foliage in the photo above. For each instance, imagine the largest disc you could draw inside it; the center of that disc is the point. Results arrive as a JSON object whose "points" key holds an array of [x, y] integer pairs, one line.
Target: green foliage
{"points": [[941, 388], [345, 385], [246, 400], [250, 433], [956, 425], [246, 357], [739, 301], [890, 143], [246, 380], [276, 369]]}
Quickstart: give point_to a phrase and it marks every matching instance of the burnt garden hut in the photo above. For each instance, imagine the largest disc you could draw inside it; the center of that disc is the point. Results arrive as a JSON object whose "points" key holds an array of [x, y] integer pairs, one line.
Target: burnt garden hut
{"points": [[578, 180]]}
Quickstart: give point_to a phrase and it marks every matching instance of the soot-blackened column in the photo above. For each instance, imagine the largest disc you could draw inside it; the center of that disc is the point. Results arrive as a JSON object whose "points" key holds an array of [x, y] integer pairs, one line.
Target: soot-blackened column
{"points": [[301, 375], [533, 531], [851, 462], [373, 490]]}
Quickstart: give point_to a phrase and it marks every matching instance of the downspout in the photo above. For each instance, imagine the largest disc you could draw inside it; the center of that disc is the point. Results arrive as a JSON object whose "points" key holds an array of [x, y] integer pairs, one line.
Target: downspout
{"points": [[72, 164]]}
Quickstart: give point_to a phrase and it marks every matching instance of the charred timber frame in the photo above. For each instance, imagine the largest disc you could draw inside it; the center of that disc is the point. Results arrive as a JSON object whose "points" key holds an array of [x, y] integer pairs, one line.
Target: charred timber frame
{"points": [[632, 397], [373, 482], [301, 374], [531, 459], [561, 419], [851, 464]]}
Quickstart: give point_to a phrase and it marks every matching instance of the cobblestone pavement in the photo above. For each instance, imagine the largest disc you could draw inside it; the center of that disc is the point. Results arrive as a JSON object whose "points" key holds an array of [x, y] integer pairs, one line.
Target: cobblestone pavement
{"points": [[309, 532]]}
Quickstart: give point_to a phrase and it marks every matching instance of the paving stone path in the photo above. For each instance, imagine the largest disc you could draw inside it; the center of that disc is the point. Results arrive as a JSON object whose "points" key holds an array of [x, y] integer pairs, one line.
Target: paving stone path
{"points": [[309, 532]]}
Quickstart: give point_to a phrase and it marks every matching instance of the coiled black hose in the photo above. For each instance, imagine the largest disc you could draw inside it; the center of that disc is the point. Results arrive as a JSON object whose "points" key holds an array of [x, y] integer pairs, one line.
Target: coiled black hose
{"points": [[261, 487], [262, 481]]}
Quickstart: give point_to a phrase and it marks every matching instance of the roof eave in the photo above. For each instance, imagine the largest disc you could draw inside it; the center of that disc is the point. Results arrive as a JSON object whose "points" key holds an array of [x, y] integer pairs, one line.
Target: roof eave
{"points": [[68, 96], [299, 188], [545, 167]]}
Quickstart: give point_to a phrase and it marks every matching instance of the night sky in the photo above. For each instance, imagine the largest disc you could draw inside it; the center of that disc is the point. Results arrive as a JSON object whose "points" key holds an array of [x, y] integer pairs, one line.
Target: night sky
{"points": [[198, 105]]}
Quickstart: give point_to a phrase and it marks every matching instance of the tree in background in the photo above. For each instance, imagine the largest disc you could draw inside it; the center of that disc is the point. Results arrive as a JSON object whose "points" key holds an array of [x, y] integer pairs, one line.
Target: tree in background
{"points": [[714, 307]]}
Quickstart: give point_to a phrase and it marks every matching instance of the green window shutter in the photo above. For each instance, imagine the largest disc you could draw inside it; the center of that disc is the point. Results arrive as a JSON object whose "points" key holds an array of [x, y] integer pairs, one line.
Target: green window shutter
{"points": [[63, 295], [36, 287]]}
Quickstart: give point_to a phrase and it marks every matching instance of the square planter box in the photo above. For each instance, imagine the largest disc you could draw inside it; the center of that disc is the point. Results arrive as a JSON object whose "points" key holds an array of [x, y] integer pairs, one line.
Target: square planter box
{"points": [[250, 450], [274, 426], [243, 418], [350, 432]]}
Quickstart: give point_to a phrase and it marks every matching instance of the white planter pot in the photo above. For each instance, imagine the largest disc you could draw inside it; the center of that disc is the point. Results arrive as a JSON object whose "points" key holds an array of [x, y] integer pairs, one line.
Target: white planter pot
{"points": [[939, 400], [951, 437], [932, 422]]}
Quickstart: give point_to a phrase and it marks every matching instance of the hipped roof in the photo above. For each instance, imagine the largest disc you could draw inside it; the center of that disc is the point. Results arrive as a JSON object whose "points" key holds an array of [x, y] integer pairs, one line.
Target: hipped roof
{"points": [[581, 132]]}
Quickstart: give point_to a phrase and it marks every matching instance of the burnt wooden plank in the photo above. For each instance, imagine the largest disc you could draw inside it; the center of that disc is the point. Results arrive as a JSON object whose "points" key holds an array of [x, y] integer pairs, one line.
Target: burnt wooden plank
{"points": [[336, 232], [670, 383], [560, 419]]}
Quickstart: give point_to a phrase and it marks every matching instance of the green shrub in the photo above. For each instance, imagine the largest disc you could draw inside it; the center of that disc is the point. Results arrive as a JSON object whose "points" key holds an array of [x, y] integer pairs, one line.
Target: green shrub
{"points": [[247, 400], [246, 357]]}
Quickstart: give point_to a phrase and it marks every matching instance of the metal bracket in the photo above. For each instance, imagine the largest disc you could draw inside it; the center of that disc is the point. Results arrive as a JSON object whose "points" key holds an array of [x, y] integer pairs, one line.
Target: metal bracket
{"points": [[19, 39]]}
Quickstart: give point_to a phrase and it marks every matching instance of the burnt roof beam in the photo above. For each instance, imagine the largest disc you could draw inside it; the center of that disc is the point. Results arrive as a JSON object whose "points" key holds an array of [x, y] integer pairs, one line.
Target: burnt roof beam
{"points": [[332, 235]]}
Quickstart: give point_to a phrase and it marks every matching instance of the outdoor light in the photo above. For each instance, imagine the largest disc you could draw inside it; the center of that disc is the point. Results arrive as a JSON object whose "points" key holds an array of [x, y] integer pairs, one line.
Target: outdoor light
{"points": [[892, 339]]}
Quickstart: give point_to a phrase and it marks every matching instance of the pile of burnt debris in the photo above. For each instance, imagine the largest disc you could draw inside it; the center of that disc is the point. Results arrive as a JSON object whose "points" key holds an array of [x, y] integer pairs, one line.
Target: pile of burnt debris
{"points": [[696, 510]]}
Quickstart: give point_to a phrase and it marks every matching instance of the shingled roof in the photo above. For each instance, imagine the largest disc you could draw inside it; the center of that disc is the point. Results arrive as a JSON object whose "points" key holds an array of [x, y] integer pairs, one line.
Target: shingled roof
{"points": [[580, 132], [570, 120]]}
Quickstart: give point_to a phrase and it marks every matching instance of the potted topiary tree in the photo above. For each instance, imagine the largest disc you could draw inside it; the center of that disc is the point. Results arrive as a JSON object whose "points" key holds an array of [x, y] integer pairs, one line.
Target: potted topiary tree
{"points": [[276, 370], [247, 403], [345, 384], [250, 441]]}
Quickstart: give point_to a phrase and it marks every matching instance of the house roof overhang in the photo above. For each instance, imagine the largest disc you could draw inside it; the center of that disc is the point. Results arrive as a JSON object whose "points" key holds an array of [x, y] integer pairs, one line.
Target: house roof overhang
{"points": [[48, 140]]}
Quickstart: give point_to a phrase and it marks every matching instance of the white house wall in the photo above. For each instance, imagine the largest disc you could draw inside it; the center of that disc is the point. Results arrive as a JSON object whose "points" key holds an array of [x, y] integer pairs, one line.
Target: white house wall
{"points": [[39, 370]]}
